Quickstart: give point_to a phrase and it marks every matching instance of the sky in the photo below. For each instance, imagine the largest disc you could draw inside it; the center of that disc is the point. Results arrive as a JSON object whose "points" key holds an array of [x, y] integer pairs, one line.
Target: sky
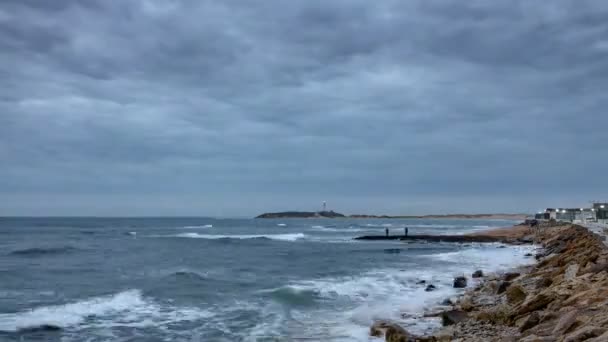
{"points": [[232, 108]]}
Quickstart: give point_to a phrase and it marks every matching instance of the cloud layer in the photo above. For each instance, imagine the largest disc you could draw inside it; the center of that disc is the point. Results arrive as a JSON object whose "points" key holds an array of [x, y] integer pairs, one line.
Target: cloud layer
{"points": [[234, 107]]}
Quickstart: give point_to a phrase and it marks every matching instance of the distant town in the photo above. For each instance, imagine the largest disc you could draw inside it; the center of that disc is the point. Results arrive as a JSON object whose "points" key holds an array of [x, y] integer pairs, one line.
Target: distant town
{"points": [[598, 212]]}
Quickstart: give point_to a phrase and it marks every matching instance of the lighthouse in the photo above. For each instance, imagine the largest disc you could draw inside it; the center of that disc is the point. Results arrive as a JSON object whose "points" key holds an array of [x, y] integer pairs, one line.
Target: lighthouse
{"points": [[324, 206]]}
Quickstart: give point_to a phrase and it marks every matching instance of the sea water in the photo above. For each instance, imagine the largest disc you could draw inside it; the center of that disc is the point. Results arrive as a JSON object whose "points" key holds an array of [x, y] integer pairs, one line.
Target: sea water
{"points": [[203, 279]]}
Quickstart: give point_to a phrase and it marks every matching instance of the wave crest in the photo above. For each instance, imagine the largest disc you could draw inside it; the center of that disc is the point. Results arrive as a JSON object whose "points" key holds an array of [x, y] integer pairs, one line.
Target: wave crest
{"points": [[279, 237]]}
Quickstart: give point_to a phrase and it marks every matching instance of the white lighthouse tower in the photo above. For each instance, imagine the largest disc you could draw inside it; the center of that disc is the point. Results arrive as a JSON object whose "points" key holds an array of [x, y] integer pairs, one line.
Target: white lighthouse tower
{"points": [[324, 206]]}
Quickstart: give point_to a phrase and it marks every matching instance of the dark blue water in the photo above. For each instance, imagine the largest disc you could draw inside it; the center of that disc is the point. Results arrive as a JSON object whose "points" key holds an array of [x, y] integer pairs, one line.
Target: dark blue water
{"points": [[202, 279]]}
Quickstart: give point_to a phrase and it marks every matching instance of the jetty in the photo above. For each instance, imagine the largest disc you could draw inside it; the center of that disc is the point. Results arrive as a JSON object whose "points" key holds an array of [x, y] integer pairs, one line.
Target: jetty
{"points": [[434, 238]]}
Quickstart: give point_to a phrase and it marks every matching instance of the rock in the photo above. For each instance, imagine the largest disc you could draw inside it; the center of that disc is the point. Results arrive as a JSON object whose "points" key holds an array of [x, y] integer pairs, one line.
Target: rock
{"points": [[395, 333], [571, 272], [584, 334], [447, 301], [460, 282], [530, 322], [528, 254], [477, 274], [419, 282], [510, 276], [537, 302], [565, 322], [602, 338], [534, 338], [502, 287], [543, 282], [430, 288], [453, 317], [515, 294]]}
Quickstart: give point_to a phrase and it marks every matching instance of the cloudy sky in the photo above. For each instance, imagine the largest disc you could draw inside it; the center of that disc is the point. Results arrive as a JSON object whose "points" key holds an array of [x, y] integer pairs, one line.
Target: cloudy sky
{"points": [[230, 108]]}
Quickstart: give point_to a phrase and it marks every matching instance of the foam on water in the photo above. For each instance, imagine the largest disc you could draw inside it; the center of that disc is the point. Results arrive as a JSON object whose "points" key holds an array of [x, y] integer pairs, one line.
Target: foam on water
{"points": [[281, 237], [205, 226], [128, 308], [390, 293]]}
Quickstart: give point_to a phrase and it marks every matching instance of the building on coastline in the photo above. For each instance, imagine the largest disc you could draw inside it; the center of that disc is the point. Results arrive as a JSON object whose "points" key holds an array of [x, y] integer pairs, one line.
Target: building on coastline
{"points": [[597, 213], [601, 212]]}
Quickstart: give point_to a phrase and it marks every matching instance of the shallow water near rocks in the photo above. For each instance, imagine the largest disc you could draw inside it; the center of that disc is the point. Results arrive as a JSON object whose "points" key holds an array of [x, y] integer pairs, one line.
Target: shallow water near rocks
{"points": [[202, 279]]}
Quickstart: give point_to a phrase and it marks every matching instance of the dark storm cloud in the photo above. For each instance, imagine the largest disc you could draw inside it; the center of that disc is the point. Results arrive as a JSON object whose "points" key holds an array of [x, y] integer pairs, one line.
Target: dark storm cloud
{"points": [[230, 107]]}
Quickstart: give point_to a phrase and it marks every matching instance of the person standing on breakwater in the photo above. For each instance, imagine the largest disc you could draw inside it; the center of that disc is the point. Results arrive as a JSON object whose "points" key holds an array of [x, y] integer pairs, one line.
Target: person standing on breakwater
{"points": [[386, 230], [405, 230]]}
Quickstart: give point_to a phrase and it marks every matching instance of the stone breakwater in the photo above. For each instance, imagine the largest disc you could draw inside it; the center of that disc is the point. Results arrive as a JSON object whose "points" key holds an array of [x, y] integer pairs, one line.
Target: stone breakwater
{"points": [[562, 298]]}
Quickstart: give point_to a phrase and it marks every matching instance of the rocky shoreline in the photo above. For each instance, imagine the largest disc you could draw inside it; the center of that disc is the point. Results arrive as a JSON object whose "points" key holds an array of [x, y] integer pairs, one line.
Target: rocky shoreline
{"points": [[563, 297]]}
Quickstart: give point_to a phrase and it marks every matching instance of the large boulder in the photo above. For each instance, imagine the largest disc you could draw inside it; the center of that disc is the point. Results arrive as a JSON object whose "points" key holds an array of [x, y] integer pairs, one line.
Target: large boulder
{"points": [[391, 331], [460, 282], [477, 274], [453, 317], [530, 322], [515, 294]]}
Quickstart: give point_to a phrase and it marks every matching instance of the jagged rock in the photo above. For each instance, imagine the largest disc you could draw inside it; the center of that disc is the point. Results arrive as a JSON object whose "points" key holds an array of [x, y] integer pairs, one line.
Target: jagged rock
{"points": [[543, 282], [565, 322], [584, 334], [453, 317], [503, 286], [477, 274], [515, 294], [391, 331], [510, 276], [460, 282], [571, 272], [419, 282], [534, 338], [430, 288], [530, 322], [602, 338], [534, 303]]}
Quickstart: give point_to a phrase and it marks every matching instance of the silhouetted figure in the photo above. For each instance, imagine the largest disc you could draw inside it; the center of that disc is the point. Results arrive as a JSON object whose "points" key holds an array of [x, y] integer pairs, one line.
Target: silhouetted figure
{"points": [[386, 230], [406, 231]]}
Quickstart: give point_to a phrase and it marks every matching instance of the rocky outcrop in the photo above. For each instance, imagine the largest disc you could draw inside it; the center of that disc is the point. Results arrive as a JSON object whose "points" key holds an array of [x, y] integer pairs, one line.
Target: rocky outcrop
{"points": [[460, 282], [564, 298], [302, 214]]}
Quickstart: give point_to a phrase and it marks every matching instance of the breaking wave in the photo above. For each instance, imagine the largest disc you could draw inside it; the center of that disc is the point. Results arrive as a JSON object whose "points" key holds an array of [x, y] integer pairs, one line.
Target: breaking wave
{"points": [[204, 226], [128, 309], [280, 237]]}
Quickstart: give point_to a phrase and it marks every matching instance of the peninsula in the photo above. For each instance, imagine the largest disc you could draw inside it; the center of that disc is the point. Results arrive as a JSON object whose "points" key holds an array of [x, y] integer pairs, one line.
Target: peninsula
{"points": [[302, 214]]}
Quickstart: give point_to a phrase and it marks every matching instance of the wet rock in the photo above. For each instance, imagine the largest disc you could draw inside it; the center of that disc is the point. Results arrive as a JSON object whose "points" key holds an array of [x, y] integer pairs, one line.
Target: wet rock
{"points": [[447, 301], [528, 254], [430, 288], [502, 287], [452, 317], [420, 282], [530, 322], [477, 274], [510, 276], [515, 294], [460, 282]]}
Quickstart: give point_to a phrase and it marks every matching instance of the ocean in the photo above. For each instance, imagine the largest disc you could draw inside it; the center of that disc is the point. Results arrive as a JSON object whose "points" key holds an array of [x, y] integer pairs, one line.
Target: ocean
{"points": [[205, 279]]}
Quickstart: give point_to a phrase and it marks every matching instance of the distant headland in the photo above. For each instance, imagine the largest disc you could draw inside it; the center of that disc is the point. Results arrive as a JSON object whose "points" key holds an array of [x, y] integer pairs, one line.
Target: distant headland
{"points": [[333, 214], [303, 214]]}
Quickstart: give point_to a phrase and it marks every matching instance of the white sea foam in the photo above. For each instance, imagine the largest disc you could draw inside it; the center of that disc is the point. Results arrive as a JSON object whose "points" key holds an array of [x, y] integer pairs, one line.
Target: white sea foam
{"points": [[282, 225], [282, 237], [199, 227], [128, 308], [394, 294]]}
